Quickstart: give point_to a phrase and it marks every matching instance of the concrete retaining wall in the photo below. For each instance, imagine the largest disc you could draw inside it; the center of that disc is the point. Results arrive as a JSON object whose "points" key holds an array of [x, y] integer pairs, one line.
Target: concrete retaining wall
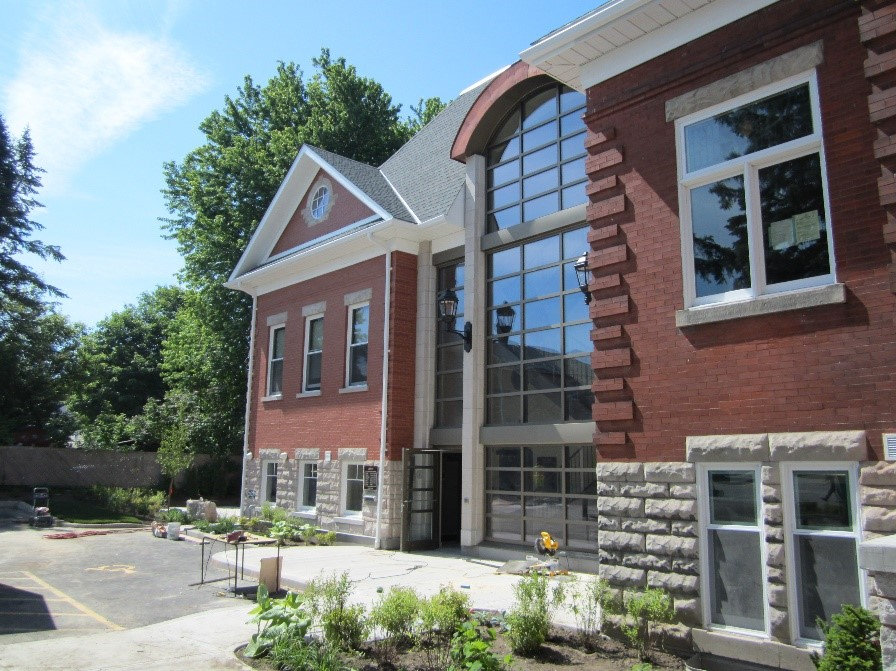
{"points": [[60, 467]]}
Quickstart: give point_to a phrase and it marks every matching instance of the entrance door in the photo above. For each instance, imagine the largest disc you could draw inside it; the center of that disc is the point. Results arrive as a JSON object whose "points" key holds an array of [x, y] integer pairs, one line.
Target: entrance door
{"points": [[420, 505]]}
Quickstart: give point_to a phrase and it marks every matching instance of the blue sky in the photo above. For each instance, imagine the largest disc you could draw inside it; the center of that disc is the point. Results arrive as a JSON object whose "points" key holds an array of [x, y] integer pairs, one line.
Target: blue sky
{"points": [[112, 89]]}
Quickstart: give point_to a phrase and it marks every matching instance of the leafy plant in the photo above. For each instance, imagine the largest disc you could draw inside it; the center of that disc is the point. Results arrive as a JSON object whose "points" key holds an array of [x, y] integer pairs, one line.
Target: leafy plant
{"points": [[139, 501], [591, 600], [325, 538], [295, 653], [529, 619], [643, 609], [851, 641], [441, 616], [172, 515], [471, 649], [396, 613], [343, 626], [642, 666], [223, 526], [282, 531], [272, 513], [276, 618]]}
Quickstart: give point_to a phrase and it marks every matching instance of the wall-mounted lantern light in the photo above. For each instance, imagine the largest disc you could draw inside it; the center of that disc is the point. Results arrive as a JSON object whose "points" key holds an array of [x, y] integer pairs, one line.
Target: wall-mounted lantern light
{"points": [[447, 304], [581, 268]]}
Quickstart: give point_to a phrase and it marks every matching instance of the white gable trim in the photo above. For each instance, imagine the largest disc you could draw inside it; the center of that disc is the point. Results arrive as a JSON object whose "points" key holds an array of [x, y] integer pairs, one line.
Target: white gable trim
{"points": [[286, 201]]}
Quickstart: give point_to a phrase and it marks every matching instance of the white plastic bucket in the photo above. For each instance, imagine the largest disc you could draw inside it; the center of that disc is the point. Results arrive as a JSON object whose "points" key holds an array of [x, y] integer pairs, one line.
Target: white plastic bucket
{"points": [[173, 531]]}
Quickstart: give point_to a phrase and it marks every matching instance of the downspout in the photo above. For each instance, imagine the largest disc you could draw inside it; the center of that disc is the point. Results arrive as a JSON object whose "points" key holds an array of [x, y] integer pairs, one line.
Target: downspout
{"points": [[377, 541], [248, 403]]}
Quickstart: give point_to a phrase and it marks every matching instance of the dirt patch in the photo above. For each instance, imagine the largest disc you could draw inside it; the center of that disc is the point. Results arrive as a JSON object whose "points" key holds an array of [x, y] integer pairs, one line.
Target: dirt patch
{"points": [[561, 651]]}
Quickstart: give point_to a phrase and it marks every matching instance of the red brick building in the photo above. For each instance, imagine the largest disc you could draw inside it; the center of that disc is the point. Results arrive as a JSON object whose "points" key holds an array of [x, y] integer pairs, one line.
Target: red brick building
{"points": [[713, 421]]}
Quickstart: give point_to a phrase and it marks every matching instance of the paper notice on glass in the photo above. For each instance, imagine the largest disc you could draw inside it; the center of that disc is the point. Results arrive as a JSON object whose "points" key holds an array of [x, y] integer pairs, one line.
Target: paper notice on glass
{"points": [[807, 226], [780, 234]]}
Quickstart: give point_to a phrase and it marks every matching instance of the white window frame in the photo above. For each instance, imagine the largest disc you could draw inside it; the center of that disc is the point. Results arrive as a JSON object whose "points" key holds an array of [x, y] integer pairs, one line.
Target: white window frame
{"points": [[307, 352], [344, 490], [350, 313], [790, 531], [271, 335], [703, 495], [300, 494], [266, 480], [748, 166]]}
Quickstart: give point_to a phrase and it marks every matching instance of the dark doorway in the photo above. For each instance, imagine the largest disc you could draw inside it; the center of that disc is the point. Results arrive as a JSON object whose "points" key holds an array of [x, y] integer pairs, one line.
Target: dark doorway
{"points": [[451, 497]]}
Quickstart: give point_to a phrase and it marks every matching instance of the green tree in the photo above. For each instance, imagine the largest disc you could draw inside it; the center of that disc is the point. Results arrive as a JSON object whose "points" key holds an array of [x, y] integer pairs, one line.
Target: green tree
{"points": [[217, 195], [120, 370], [19, 181], [37, 357], [424, 112]]}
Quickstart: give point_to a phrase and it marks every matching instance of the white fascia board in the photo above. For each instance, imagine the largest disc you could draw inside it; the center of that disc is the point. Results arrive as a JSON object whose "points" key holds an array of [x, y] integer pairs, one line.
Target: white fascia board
{"points": [[330, 256], [682, 30], [400, 197], [562, 40], [671, 36], [271, 212]]}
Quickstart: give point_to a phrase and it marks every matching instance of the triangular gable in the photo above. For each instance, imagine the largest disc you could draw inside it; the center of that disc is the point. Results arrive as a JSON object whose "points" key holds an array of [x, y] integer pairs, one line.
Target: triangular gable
{"points": [[342, 209], [287, 201]]}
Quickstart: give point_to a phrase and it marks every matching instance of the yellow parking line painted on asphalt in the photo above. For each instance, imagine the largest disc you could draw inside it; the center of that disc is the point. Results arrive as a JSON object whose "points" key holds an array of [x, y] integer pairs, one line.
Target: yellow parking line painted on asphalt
{"points": [[65, 597]]}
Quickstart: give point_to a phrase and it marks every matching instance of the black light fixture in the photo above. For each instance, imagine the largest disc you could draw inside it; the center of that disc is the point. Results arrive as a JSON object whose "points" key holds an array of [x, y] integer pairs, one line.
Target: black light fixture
{"points": [[505, 317], [447, 304], [581, 268]]}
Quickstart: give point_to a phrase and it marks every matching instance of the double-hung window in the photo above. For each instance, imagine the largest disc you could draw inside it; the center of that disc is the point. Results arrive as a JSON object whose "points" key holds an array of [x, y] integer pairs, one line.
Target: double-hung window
{"points": [[307, 485], [356, 355], [824, 534], [275, 361], [734, 547], [753, 195], [314, 345], [353, 495], [269, 484]]}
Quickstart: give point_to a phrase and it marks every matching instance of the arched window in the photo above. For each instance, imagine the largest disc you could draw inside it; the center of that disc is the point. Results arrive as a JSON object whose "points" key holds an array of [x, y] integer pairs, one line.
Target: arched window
{"points": [[536, 159]]}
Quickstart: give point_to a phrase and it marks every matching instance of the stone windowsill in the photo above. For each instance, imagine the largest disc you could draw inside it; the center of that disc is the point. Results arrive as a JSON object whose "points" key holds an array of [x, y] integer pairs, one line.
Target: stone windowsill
{"points": [[272, 397], [309, 394], [310, 514], [356, 520], [353, 389], [830, 294]]}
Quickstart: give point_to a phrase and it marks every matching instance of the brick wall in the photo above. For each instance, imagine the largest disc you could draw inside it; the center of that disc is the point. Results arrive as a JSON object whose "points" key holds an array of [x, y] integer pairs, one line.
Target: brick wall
{"points": [[334, 419], [826, 368], [402, 354]]}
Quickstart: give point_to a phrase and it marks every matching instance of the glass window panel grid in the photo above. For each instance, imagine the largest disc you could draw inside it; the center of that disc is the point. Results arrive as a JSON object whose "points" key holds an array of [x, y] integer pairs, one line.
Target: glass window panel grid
{"points": [[314, 344], [754, 198], [533, 366], [825, 544], [309, 484], [359, 332], [449, 353], [551, 488], [546, 143], [354, 488], [735, 548], [275, 362]]}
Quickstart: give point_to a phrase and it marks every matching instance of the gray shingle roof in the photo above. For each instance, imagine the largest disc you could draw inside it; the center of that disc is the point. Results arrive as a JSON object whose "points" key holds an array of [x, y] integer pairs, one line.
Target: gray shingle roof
{"points": [[369, 180], [423, 171]]}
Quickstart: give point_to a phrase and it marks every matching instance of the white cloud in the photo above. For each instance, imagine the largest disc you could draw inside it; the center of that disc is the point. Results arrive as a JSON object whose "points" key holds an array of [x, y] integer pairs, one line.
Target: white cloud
{"points": [[81, 87]]}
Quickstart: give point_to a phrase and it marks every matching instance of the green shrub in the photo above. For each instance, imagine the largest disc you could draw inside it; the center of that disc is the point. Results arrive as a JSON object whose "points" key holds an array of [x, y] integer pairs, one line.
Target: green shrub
{"points": [[282, 531], [851, 642], [441, 616], [643, 609], [271, 513], [276, 618], [140, 501], [325, 538], [529, 619], [224, 525], [173, 515], [591, 600], [294, 653], [471, 649], [343, 626], [396, 613]]}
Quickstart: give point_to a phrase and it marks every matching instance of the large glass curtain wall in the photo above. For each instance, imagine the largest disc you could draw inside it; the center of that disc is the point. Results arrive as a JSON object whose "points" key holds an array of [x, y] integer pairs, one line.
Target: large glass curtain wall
{"points": [[550, 488], [450, 353]]}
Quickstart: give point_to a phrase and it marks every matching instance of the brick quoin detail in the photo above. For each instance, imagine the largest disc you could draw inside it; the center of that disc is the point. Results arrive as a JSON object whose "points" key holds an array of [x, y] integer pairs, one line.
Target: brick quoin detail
{"points": [[877, 29], [610, 257]]}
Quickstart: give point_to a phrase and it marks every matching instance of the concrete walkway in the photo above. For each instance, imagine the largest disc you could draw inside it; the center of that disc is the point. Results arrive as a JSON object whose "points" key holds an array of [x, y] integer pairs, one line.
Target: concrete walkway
{"points": [[206, 641]]}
